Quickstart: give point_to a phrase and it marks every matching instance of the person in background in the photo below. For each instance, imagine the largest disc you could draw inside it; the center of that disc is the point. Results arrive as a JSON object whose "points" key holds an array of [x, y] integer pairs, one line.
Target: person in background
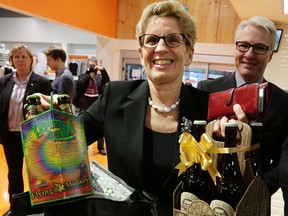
{"points": [[255, 41], [4, 70], [64, 82], [89, 86], [14, 88], [36, 65]]}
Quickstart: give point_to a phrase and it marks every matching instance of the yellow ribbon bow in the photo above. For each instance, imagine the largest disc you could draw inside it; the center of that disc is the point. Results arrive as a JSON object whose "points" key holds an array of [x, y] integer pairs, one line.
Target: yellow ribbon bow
{"points": [[193, 152]]}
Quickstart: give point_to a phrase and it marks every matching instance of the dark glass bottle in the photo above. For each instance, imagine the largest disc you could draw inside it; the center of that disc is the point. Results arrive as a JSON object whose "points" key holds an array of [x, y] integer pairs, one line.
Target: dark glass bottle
{"points": [[253, 166], [230, 188], [254, 155], [195, 181], [33, 106], [64, 103]]}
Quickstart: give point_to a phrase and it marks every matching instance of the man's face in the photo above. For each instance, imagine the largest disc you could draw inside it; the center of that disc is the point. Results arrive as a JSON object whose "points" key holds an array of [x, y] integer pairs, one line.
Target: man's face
{"points": [[91, 64], [251, 66], [52, 63]]}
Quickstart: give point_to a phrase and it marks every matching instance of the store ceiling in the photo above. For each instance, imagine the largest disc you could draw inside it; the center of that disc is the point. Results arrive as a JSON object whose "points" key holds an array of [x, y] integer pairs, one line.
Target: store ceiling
{"points": [[272, 9]]}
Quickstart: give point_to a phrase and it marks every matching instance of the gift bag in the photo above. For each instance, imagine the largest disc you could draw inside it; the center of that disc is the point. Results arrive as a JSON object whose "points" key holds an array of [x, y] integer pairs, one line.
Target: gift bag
{"points": [[111, 197], [56, 156]]}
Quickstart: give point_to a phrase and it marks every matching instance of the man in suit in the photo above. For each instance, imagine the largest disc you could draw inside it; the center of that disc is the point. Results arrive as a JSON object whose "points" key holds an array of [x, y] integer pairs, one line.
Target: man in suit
{"points": [[64, 82], [255, 41]]}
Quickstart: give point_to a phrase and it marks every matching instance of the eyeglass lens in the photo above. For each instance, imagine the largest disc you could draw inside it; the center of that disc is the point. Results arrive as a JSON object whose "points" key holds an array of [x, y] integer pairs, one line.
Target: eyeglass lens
{"points": [[171, 40], [257, 48]]}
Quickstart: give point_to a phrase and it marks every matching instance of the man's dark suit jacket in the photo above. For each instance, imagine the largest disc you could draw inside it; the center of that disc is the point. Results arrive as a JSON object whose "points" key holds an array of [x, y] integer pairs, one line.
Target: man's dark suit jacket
{"points": [[275, 126], [119, 115], [37, 83]]}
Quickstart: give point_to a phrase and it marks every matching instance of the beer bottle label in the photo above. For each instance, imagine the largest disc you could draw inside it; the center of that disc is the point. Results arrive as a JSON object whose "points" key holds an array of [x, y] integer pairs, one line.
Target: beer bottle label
{"points": [[199, 207], [186, 199], [33, 110], [66, 108], [221, 208]]}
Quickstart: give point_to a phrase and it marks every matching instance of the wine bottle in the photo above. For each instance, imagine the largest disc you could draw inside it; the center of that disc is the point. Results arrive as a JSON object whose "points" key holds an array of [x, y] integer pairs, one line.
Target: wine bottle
{"points": [[195, 180], [254, 154], [230, 188], [253, 166]]}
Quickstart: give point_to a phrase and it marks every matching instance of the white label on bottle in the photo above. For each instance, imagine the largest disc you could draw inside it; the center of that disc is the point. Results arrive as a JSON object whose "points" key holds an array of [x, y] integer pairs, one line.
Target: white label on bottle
{"points": [[199, 207], [221, 208], [186, 199]]}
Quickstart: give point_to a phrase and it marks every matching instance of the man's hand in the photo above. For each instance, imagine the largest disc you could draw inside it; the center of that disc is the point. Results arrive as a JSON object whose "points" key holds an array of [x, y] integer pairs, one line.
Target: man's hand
{"points": [[219, 126]]}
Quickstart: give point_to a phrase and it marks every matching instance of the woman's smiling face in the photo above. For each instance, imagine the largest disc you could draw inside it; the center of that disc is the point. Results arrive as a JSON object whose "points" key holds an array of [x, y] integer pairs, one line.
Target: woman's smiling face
{"points": [[163, 64]]}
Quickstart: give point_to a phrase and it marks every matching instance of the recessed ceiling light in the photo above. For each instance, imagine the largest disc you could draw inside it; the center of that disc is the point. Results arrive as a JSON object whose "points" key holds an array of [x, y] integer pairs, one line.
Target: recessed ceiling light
{"points": [[285, 3]]}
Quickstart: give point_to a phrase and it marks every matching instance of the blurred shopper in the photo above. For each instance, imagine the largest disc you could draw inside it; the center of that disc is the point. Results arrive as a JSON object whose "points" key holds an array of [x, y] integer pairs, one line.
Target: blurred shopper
{"points": [[64, 82], [89, 86]]}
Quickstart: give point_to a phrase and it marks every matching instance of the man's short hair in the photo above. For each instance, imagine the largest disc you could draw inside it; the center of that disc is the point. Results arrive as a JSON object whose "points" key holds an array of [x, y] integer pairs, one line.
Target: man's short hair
{"points": [[56, 52]]}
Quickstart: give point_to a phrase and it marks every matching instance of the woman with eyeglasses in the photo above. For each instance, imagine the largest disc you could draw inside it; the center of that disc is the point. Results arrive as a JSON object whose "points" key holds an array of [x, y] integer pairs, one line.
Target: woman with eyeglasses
{"points": [[141, 119], [255, 41]]}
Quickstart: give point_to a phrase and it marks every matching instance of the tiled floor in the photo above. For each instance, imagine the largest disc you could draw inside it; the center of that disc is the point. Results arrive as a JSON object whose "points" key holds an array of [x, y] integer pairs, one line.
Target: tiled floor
{"points": [[4, 203]]}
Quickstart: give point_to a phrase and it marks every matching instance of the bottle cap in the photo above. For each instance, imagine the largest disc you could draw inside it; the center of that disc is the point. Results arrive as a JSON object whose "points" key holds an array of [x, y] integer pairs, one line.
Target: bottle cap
{"points": [[63, 96], [32, 96], [231, 124], [199, 122], [256, 124]]}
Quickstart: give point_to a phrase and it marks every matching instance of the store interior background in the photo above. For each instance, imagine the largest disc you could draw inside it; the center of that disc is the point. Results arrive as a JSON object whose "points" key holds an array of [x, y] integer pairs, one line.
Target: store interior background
{"points": [[107, 29]]}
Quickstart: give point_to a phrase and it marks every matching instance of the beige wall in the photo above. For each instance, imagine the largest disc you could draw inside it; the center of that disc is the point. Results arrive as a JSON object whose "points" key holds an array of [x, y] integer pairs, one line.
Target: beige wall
{"points": [[277, 69]]}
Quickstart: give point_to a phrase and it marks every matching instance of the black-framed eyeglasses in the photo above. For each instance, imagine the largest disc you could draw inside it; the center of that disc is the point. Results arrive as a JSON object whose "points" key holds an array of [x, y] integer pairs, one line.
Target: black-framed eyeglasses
{"points": [[257, 48], [172, 40]]}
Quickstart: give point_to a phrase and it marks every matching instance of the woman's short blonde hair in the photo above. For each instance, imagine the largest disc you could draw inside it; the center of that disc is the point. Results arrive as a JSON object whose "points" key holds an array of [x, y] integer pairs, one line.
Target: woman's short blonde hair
{"points": [[169, 9], [18, 47]]}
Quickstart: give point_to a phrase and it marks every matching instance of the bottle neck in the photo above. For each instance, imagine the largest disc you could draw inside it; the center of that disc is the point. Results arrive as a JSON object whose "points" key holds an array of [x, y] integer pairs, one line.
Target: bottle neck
{"points": [[198, 130], [256, 131], [230, 137]]}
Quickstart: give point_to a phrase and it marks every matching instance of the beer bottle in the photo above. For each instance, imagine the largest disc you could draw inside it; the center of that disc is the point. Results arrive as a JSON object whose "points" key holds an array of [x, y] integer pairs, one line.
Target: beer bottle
{"points": [[254, 154], [195, 181], [230, 188], [64, 103], [33, 106]]}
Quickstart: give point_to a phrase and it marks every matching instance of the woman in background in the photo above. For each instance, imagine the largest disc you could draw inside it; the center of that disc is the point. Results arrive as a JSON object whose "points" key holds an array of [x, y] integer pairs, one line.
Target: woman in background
{"points": [[14, 88]]}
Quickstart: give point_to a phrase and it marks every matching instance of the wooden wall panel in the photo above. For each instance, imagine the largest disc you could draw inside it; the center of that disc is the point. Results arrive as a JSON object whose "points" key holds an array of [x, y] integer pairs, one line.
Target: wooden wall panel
{"points": [[129, 12], [216, 20], [228, 21], [206, 15]]}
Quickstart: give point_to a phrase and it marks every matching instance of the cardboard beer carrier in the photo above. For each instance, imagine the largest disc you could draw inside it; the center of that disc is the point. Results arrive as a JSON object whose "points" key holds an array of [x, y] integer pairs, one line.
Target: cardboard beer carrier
{"points": [[56, 156], [256, 199]]}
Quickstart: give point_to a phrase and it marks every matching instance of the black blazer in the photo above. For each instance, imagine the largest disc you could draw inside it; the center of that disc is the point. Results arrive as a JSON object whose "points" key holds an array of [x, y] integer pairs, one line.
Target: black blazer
{"points": [[275, 127], [37, 83], [119, 115]]}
